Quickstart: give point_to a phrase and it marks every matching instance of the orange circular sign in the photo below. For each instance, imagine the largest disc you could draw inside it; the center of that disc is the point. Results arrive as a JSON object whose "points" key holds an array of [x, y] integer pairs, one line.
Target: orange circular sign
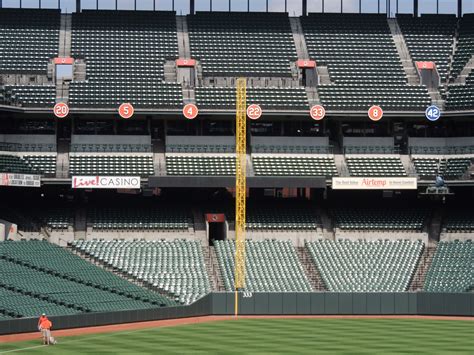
{"points": [[61, 110], [317, 112], [126, 110], [190, 111], [375, 113], [254, 112]]}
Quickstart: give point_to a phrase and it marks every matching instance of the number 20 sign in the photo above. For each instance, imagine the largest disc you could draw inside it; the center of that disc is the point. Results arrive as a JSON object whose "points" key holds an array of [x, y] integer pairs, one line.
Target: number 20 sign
{"points": [[61, 110]]}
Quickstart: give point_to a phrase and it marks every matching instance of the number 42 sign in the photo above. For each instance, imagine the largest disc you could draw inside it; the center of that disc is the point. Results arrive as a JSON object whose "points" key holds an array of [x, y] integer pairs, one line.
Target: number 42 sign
{"points": [[433, 113]]}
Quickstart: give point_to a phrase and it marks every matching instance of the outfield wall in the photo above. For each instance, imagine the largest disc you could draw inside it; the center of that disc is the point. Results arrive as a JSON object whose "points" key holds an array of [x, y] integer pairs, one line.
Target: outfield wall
{"points": [[314, 303]]}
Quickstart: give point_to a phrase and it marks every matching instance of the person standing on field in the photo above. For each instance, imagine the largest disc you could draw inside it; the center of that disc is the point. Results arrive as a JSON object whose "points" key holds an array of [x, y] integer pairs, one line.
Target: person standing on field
{"points": [[45, 327]]}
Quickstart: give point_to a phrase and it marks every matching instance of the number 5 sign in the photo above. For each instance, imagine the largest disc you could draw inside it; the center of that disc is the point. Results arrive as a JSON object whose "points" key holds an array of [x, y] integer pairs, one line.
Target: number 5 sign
{"points": [[126, 110], [61, 110], [375, 113]]}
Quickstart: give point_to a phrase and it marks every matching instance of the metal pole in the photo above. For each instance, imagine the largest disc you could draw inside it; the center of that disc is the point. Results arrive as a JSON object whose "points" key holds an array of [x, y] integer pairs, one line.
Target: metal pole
{"points": [[415, 8], [437, 7], [397, 8], [322, 6], [286, 6], [305, 7], [39, 4], [191, 7], [135, 5], [230, 5], [378, 5], [266, 6], [21, 4], [154, 5], [459, 8], [248, 5], [78, 6], [360, 6], [97, 4], [342, 6]]}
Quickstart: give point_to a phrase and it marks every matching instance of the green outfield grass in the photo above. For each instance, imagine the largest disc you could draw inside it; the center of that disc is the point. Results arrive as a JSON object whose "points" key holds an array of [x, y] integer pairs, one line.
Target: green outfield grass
{"points": [[285, 336]]}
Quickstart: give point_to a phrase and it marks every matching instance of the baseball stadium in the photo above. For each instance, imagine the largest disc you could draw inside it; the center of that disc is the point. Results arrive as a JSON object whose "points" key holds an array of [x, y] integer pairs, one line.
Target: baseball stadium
{"points": [[231, 176]]}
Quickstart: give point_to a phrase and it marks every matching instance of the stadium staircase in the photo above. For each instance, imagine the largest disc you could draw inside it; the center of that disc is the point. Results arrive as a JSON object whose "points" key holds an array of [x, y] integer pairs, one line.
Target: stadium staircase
{"points": [[298, 37], [403, 52], [310, 269], [468, 68], [214, 272], [184, 50], [62, 160], [424, 264]]}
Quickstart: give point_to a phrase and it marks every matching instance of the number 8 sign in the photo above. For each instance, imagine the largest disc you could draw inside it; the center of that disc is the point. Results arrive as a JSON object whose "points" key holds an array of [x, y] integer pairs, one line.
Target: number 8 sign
{"points": [[375, 113], [61, 110]]}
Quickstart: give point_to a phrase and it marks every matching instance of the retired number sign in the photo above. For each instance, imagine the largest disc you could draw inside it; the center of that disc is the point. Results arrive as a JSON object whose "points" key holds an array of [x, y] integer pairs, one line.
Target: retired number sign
{"points": [[254, 112], [61, 110], [317, 112], [375, 113], [190, 111], [126, 111]]}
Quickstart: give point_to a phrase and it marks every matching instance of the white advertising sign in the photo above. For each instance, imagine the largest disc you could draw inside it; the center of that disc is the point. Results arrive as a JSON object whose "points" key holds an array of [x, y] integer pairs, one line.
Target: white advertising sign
{"points": [[106, 182], [374, 183], [20, 180]]}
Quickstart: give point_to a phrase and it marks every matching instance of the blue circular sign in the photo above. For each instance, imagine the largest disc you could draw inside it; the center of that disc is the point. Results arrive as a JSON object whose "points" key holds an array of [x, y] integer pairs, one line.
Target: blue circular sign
{"points": [[433, 113]]}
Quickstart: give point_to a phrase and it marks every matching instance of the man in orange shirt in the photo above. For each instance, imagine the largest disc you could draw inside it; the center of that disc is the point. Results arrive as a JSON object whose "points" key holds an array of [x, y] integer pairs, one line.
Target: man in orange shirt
{"points": [[45, 327], [40, 320]]}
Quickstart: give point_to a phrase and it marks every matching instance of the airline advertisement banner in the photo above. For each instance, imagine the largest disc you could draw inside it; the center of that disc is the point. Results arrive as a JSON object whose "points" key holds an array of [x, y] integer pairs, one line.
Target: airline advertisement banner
{"points": [[106, 182], [374, 183], [20, 180]]}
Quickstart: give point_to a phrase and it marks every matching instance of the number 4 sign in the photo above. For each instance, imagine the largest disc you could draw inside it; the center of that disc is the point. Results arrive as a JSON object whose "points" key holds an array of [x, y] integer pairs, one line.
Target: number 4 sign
{"points": [[61, 110], [190, 111]]}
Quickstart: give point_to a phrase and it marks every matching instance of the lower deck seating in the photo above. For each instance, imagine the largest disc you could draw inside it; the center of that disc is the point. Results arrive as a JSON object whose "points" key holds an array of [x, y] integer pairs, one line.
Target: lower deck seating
{"points": [[138, 218], [451, 268], [271, 266], [115, 165], [211, 165], [14, 304], [409, 219], [459, 220], [294, 166], [176, 267], [375, 166], [379, 266], [49, 272], [28, 164], [448, 168]]}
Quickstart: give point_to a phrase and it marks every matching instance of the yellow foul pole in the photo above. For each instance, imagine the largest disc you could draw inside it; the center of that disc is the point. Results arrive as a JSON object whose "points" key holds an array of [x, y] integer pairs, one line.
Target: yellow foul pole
{"points": [[240, 186]]}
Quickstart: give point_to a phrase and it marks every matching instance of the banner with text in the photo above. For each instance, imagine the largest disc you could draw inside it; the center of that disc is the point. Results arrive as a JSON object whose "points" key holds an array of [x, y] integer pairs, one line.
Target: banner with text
{"points": [[20, 180], [106, 182], [374, 183]]}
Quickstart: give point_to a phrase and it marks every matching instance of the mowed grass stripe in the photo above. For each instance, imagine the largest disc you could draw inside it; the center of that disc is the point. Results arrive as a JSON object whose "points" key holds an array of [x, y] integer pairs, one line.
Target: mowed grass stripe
{"points": [[275, 336]]}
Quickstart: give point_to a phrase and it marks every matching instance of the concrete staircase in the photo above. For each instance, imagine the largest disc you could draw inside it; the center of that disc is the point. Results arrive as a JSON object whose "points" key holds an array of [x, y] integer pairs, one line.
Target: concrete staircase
{"points": [[424, 264], [313, 96], [213, 270], [328, 229], [403, 52], [184, 49], [323, 75], [80, 223], [341, 165], [250, 170], [62, 162], [408, 165], [310, 269], [434, 228], [298, 37]]}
